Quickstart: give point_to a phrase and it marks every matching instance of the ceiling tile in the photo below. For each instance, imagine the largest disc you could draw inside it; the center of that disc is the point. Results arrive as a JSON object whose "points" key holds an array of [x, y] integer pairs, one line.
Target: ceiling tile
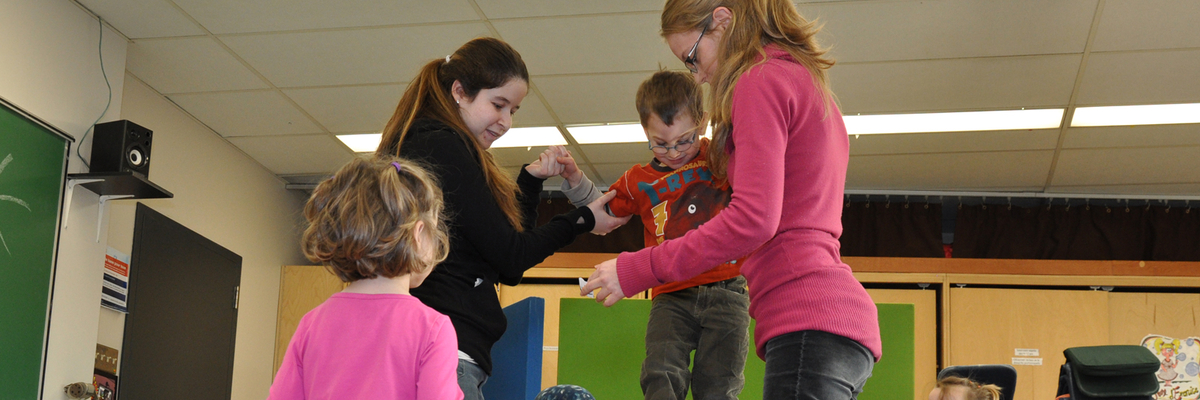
{"points": [[497, 9], [188, 65], [955, 84], [253, 113], [1157, 165], [240, 16], [349, 109], [1148, 24], [594, 98], [533, 112], [946, 142], [1133, 136], [917, 30], [1145, 77], [308, 154], [571, 45], [1017, 170], [359, 56], [138, 19]]}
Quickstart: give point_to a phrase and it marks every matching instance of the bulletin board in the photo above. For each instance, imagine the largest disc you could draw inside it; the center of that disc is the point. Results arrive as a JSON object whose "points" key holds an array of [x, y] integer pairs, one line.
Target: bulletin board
{"points": [[33, 166]]}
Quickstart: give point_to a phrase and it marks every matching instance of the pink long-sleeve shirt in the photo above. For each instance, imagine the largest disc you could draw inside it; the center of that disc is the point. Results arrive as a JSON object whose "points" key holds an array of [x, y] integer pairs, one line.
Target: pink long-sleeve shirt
{"points": [[787, 168], [370, 346]]}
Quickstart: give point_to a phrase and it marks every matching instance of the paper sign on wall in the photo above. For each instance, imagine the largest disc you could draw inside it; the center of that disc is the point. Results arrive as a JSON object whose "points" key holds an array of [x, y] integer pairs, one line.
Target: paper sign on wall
{"points": [[1026, 352], [115, 291], [1026, 361]]}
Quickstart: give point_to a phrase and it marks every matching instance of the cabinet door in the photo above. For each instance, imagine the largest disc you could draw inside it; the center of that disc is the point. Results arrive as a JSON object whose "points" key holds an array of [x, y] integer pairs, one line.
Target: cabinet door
{"points": [[301, 288], [924, 332], [1135, 315], [988, 325]]}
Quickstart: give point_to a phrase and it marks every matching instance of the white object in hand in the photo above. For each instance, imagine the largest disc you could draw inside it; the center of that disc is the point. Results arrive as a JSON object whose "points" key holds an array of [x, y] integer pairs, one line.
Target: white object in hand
{"points": [[584, 282]]}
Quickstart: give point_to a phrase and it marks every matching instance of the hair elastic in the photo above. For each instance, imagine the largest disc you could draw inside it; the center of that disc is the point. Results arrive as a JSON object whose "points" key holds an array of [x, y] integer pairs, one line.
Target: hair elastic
{"points": [[447, 58], [398, 167]]}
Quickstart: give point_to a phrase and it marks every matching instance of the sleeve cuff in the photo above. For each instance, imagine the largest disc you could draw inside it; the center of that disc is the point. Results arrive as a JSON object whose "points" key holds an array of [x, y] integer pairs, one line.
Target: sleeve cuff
{"points": [[526, 180], [582, 220], [581, 194], [634, 272]]}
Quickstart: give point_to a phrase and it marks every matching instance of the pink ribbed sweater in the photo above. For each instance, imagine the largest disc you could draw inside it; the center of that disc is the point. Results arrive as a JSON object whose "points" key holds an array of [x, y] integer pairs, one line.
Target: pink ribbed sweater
{"points": [[787, 168]]}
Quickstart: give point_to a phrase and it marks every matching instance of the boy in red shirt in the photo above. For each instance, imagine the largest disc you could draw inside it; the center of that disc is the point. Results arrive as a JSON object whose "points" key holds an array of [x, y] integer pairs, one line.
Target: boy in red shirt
{"points": [[675, 193]]}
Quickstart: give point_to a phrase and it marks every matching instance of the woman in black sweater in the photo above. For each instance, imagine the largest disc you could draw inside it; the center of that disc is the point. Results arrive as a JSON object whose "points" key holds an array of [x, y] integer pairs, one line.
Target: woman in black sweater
{"points": [[447, 118]]}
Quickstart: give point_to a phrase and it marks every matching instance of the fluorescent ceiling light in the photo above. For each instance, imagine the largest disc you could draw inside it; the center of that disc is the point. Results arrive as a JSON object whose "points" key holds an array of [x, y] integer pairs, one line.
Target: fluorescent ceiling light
{"points": [[515, 137], [362, 143], [609, 133], [530, 137], [954, 122], [1156, 114]]}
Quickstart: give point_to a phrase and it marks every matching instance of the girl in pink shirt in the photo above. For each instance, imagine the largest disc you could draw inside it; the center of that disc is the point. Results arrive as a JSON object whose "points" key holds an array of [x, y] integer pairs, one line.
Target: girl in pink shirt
{"points": [[780, 141], [377, 224]]}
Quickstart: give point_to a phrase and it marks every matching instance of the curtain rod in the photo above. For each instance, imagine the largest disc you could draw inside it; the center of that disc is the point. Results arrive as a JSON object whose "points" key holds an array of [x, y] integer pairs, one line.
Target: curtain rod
{"points": [[1040, 195]]}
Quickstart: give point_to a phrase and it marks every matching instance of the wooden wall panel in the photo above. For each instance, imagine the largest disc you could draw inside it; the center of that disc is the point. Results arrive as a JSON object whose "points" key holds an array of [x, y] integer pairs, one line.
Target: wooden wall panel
{"points": [[987, 325], [301, 288], [1135, 315], [925, 366]]}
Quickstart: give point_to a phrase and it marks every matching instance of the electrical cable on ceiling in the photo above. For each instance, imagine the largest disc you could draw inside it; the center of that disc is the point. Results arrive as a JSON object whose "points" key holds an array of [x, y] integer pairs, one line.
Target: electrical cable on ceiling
{"points": [[100, 50]]}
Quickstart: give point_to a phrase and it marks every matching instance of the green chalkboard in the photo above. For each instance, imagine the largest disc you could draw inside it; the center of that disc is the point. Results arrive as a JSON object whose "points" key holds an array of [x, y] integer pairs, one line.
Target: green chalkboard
{"points": [[33, 160], [602, 349]]}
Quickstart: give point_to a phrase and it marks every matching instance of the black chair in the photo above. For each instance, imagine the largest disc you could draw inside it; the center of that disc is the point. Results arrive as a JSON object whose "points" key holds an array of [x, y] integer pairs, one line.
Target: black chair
{"points": [[1002, 375]]}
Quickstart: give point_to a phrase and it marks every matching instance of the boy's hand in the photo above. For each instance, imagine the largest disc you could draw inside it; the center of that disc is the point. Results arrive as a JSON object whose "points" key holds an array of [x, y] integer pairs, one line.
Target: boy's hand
{"points": [[605, 223], [546, 165], [571, 171]]}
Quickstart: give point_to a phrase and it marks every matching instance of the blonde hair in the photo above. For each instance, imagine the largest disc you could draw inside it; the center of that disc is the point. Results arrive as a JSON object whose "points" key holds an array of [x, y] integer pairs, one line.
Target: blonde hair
{"points": [[754, 25], [362, 221], [973, 390], [668, 93], [482, 63]]}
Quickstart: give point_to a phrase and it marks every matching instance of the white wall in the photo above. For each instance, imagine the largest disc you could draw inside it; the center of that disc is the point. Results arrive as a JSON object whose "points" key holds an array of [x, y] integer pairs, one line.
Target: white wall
{"points": [[50, 66], [228, 198]]}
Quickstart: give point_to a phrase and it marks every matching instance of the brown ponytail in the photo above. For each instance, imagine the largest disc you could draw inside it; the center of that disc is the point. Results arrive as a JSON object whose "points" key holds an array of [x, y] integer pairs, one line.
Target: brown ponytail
{"points": [[482, 63], [755, 24]]}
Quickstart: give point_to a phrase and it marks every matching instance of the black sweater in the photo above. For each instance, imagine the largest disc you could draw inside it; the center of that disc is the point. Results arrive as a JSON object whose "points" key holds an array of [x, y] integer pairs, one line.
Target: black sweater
{"points": [[484, 247]]}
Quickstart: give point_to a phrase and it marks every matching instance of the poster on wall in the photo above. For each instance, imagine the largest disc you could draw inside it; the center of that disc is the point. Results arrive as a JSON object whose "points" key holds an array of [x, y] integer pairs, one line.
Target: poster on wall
{"points": [[1179, 369], [106, 385], [116, 281]]}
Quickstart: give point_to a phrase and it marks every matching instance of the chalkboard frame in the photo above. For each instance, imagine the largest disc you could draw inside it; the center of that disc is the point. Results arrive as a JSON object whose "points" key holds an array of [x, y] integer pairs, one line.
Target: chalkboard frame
{"points": [[68, 140]]}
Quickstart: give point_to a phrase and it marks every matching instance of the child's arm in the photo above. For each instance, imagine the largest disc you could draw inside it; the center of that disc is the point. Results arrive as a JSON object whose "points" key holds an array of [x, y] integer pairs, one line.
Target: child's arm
{"points": [[576, 186], [437, 377]]}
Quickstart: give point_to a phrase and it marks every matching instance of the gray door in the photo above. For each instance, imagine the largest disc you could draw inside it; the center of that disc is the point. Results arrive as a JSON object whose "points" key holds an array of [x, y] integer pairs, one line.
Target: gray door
{"points": [[179, 333]]}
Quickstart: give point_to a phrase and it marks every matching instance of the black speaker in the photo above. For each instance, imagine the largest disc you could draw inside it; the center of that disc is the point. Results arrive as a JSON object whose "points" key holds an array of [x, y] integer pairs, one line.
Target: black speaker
{"points": [[121, 146]]}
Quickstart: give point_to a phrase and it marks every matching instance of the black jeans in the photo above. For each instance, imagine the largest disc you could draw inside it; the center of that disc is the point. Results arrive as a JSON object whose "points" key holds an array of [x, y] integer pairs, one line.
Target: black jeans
{"points": [[815, 365], [710, 319]]}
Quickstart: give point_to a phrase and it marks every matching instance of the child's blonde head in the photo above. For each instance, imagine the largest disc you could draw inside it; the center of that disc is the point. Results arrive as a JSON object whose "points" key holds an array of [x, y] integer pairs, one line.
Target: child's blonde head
{"points": [[959, 388], [362, 222]]}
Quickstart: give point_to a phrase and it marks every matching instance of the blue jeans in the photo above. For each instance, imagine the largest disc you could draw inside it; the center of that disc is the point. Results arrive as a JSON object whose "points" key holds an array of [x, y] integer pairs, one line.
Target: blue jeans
{"points": [[471, 379], [712, 320], [814, 365]]}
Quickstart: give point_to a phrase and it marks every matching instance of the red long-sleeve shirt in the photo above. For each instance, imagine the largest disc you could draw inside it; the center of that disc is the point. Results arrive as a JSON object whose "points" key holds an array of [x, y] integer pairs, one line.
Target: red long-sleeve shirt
{"points": [[787, 168]]}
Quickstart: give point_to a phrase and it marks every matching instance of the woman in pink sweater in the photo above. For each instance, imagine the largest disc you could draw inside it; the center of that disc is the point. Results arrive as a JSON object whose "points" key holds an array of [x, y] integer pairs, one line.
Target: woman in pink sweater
{"points": [[780, 141]]}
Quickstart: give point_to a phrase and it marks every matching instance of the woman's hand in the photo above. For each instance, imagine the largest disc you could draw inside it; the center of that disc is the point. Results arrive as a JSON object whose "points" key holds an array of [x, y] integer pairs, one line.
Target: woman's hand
{"points": [[605, 279], [546, 165], [605, 223]]}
